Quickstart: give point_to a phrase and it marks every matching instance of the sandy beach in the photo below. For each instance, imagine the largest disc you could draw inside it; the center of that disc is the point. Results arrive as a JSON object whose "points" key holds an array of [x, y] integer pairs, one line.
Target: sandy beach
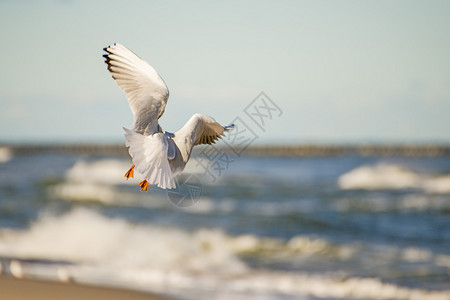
{"points": [[32, 289]]}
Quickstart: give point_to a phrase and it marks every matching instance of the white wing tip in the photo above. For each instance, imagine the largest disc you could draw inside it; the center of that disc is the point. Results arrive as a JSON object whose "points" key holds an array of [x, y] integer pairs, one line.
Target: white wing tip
{"points": [[112, 46], [229, 127]]}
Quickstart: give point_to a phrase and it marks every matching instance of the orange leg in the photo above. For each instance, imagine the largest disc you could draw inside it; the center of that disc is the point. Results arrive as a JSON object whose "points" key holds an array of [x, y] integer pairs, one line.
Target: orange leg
{"points": [[130, 173], [144, 185]]}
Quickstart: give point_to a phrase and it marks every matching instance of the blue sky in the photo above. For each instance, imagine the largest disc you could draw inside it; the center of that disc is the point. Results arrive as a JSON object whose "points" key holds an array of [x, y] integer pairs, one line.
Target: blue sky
{"points": [[341, 71]]}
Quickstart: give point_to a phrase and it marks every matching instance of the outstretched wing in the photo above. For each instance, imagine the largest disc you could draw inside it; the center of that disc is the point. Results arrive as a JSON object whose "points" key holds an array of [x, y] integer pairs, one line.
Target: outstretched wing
{"points": [[146, 91], [209, 133], [203, 129]]}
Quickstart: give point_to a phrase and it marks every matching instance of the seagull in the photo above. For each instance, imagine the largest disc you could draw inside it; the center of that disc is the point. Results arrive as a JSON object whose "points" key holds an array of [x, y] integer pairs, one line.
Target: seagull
{"points": [[157, 154]]}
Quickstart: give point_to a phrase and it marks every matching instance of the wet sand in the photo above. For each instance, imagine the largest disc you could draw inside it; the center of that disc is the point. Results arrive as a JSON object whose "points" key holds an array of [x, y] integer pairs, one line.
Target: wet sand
{"points": [[32, 289]]}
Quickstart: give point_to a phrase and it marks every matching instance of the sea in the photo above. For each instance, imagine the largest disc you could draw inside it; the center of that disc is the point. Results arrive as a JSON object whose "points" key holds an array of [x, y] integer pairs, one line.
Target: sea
{"points": [[262, 227]]}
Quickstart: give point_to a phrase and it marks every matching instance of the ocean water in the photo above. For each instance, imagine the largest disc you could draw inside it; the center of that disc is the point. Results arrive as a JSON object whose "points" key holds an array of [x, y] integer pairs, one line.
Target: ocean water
{"points": [[267, 228]]}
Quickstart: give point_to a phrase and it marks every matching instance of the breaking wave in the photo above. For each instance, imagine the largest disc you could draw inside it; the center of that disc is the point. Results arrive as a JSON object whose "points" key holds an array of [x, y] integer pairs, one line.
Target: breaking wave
{"points": [[99, 181], [105, 171], [5, 154], [206, 259], [391, 176]]}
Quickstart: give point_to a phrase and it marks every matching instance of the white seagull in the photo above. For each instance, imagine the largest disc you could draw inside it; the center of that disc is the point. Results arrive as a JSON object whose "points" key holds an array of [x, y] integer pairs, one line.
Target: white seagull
{"points": [[157, 154]]}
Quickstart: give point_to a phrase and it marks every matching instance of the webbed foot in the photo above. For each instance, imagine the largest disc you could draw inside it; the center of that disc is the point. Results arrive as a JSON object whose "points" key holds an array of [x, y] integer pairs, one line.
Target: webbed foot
{"points": [[144, 185], [130, 173]]}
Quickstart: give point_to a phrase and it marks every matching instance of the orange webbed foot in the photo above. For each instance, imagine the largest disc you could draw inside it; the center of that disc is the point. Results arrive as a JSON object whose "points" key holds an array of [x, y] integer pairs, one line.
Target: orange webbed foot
{"points": [[144, 185], [130, 173]]}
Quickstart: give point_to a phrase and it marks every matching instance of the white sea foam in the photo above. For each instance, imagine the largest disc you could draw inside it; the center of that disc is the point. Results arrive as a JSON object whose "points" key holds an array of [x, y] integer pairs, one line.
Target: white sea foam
{"points": [[437, 185], [105, 194], [5, 154], [144, 255], [391, 176], [380, 176], [85, 192], [106, 171], [96, 181], [86, 236]]}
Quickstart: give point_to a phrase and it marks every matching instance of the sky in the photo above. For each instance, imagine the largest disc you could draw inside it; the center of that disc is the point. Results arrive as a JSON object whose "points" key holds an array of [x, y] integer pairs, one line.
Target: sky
{"points": [[340, 71]]}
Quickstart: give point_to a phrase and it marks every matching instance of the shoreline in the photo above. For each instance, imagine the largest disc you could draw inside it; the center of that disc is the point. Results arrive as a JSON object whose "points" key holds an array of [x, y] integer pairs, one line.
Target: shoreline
{"points": [[18, 289]]}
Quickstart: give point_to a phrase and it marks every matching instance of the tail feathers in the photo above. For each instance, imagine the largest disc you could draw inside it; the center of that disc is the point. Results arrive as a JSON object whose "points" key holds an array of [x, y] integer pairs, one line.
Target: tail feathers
{"points": [[149, 154]]}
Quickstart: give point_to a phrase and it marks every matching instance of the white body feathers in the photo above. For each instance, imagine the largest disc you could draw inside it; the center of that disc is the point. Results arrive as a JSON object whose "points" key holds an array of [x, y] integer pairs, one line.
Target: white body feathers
{"points": [[149, 154]]}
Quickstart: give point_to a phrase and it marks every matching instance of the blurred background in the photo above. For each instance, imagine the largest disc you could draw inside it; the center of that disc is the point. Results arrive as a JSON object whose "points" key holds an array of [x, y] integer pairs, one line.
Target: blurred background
{"points": [[341, 188]]}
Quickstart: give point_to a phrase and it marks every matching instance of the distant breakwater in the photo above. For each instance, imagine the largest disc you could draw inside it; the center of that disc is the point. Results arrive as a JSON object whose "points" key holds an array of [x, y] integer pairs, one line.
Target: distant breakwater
{"points": [[302, 150]]}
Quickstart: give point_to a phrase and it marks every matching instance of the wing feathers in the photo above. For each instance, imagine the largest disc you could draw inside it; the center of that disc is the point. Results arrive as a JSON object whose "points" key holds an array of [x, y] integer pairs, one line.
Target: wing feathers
{"points": [[147, 96], [204, 128], [211, 133], [146, 92]]}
